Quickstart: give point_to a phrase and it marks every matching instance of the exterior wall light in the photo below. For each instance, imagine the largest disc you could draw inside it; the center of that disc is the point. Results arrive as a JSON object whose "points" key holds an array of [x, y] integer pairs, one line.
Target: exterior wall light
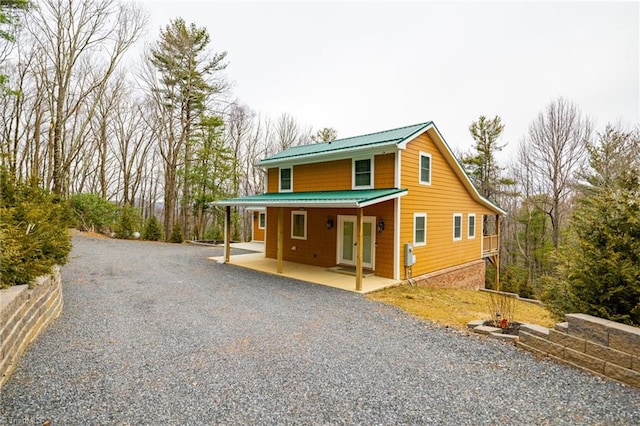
{"points": [[329, 222], [380, 225]]}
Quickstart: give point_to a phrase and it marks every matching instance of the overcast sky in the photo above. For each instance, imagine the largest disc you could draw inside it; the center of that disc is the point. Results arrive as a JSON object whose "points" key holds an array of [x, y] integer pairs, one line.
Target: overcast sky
{"points": [[361, 66]]}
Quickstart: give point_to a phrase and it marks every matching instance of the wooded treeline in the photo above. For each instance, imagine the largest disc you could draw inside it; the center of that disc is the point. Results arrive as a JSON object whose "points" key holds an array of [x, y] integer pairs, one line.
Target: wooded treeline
{"points": [[84, 109], [571, 235], [87, 112]]}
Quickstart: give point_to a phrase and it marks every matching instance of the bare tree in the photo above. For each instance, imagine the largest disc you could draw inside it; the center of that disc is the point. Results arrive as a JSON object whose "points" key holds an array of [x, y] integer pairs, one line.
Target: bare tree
{"points": [[557, 140], [83, 43], [326, 134], [288, 133]]}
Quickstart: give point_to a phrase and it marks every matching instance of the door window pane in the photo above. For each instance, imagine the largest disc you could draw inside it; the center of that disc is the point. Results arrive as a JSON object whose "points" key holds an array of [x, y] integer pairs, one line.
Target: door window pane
{"points": [[367, 240], [347, 241]]}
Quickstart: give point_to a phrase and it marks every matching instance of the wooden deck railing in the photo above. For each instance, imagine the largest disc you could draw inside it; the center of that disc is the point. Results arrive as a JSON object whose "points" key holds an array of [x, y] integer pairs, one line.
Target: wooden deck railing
{"points": [[490, 245]]}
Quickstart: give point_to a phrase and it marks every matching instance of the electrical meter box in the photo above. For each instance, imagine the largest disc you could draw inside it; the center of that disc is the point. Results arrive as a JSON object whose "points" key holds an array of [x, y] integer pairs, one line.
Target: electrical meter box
{"points": [[409, 257]]}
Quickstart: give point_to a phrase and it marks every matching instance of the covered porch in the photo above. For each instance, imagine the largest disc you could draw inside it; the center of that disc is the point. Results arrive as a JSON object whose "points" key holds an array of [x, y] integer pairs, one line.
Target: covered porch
{"points": [[313, 274], [310, 205]]}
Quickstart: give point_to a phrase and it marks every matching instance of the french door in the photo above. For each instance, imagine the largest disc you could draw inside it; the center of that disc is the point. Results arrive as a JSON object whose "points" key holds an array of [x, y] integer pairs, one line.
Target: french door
{"points": [[347, 238]]}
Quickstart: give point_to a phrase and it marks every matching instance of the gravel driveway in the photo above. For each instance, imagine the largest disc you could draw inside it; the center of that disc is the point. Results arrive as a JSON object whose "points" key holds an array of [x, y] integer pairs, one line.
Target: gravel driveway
{"points": [[155, 333]]}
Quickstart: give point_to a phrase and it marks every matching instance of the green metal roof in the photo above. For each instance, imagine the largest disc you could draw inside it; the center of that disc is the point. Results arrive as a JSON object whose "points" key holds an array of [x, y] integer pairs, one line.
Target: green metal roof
{"points": [[386, 137], [328, 199]]}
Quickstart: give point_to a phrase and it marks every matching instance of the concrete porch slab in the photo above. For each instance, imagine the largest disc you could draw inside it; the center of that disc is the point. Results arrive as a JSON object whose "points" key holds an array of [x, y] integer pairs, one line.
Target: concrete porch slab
{"points": [[312, 274]]}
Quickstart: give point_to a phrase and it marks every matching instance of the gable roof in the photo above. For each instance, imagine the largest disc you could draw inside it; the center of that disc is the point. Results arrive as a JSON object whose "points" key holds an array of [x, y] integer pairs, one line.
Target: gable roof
{"points": [[356, 143], [398, 138]]}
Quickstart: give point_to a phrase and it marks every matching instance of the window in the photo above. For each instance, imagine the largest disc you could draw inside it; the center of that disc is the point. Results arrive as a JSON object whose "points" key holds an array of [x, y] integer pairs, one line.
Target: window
{"points": [[285, 180], [457, 226], [425, 168], [262, 220], [472, 225], [363, 173], [419, 229], [299, 225]]}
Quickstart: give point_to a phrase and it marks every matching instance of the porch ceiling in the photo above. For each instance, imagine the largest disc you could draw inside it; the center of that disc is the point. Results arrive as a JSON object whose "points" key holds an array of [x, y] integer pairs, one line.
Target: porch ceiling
{"points": [[326, 199]]}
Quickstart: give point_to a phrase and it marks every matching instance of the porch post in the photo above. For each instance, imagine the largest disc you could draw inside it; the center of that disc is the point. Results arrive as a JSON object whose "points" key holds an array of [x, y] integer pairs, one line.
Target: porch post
{"points": [[227, 234], [280, 241], [359, 250], [497, 255]]}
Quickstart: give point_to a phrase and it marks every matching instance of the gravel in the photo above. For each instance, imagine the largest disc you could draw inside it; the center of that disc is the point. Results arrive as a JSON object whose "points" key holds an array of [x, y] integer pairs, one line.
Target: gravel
{"points": [[155, 333]]}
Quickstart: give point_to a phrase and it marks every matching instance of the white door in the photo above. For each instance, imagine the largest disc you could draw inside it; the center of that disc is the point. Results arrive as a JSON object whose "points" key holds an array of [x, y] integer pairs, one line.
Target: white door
{"points": [[347, 241]]}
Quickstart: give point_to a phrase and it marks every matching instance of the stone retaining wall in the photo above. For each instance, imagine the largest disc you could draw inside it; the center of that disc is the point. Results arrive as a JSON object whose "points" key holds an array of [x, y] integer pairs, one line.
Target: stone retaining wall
{"points": [[601, 346], [24, 313], [468, 276]]}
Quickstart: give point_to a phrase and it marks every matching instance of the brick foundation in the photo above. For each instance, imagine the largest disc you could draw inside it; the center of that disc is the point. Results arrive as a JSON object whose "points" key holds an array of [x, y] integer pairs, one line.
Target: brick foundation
{"points": [[468, 276], [24, 313]]}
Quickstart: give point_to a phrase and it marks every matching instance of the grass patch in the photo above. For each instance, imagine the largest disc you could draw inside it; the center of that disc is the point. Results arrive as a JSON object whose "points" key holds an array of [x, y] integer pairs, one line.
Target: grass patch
{"points": [[454, 307]]}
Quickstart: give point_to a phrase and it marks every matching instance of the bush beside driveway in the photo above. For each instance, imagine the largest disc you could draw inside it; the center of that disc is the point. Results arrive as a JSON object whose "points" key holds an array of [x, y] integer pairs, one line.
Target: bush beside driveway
{"points": [[155, 332]]}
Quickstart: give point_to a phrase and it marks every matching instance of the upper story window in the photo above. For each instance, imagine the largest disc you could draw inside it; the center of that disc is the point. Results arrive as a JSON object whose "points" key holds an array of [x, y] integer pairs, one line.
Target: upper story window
{"points": [[286, 179], [425, 168], [363, 173], [472, 226], [457, 226]]}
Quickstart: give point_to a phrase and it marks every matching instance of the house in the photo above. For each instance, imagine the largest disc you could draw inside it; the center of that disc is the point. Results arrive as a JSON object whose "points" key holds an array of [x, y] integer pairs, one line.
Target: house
{"points": [[394, 203], [258, 223]]}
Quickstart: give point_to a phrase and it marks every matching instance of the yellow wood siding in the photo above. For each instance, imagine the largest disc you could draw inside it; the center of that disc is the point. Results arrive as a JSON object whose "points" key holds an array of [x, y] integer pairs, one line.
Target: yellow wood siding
{"points": [[273, 179], [326, 176], [384, 171], [258, 234], [445, 196], [334, 175], [320, 247]]}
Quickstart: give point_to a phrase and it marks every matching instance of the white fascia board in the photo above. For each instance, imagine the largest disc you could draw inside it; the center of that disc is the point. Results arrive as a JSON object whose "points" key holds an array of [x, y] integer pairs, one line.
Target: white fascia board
{"points": [[383, 199], [311, 204], [459, 171], [457, 167]]}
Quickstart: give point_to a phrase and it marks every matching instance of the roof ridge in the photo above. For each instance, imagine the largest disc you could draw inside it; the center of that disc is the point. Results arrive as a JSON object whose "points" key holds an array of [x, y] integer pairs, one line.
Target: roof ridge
{"points": [[352, 143], [380, 132]]}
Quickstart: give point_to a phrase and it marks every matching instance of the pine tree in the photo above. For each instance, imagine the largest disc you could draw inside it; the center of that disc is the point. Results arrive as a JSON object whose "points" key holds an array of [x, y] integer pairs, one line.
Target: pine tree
{"points": [[599, 267], [152, 230], [128, 222], [186, 85], [33, 231], [176, 234], [604, 260], [481, 165]]}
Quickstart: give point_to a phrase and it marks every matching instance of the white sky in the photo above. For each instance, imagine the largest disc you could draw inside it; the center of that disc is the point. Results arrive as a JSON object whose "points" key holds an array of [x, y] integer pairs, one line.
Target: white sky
{"points": [[361, 67]]}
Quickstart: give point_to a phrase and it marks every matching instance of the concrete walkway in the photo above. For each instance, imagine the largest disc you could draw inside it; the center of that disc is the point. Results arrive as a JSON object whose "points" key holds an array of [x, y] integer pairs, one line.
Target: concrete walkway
{"points": [[308, 273]]}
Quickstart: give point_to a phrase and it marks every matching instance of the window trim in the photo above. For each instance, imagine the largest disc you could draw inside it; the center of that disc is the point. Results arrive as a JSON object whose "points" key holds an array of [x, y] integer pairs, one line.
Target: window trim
{"points": [[298, 213], [415, 242], [353, 173], [290, 179], [457, 215], [469, 234], [427, 155], [264, 223]]}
